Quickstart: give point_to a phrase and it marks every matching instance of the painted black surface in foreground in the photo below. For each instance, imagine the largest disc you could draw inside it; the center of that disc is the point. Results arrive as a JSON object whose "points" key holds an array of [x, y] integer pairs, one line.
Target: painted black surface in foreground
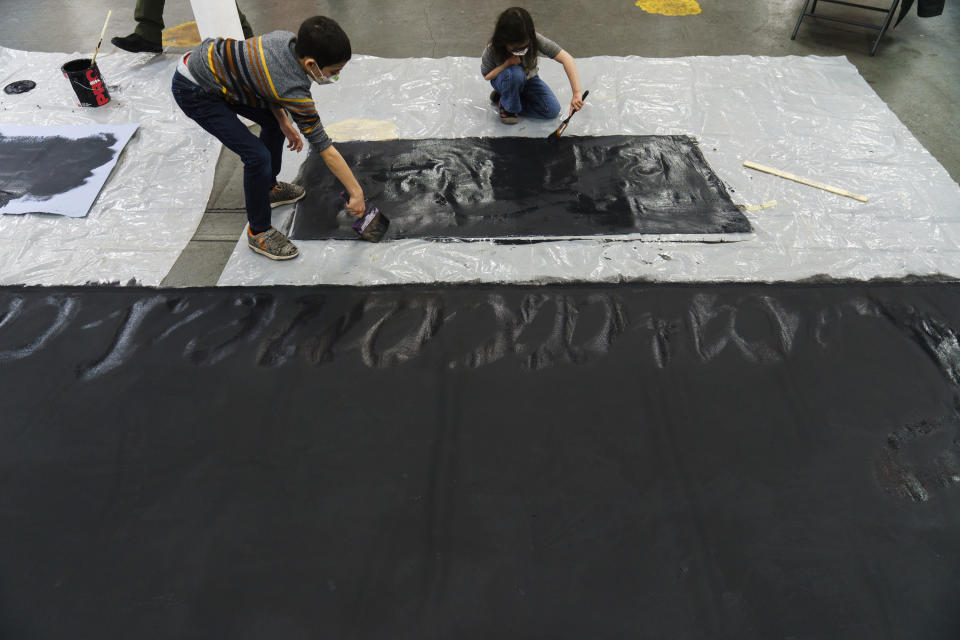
{"points": [[523, 187], [582, 462]]}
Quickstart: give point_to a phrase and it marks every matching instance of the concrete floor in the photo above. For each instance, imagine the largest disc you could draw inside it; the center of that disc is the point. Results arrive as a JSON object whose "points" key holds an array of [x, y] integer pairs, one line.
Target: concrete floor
{"points": [[916, 71]]}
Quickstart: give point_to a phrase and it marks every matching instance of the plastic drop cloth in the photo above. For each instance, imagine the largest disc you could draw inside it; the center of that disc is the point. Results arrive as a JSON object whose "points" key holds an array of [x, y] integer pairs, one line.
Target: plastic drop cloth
{"points": [[152, 202], [812, 116]]}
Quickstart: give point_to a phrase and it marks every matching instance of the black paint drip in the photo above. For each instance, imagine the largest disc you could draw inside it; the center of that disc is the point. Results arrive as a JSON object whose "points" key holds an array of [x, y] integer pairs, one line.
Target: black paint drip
{"points": [[473, 188], [42, 167]]}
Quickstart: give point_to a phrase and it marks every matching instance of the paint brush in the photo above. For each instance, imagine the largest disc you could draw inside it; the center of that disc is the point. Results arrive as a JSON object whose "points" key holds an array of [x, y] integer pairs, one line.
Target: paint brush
{"points": [[563, 125], [372, 225], [102, 32]]}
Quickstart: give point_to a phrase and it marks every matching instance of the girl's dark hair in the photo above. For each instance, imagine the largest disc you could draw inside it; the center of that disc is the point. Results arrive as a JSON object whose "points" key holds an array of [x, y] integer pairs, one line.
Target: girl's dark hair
{"points": [[322, 39], [513, 26]]}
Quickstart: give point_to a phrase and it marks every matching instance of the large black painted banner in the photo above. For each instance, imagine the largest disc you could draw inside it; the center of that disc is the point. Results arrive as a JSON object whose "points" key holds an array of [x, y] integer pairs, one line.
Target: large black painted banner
{"points": [[533, 188], [551, 462]]}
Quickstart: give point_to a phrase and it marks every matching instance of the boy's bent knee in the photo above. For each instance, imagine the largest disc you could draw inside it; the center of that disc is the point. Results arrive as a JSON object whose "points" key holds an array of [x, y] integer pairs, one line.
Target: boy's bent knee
{"points": [[256, 160]]}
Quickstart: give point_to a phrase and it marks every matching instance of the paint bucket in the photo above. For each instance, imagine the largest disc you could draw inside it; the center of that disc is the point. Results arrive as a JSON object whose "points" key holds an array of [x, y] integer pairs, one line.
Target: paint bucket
{"points": [[87, 82]]}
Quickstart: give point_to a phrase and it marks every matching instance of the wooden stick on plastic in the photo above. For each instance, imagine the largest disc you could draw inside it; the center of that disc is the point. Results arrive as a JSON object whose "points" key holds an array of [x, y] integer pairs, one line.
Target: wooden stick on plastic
{"points": [[809, 183]]}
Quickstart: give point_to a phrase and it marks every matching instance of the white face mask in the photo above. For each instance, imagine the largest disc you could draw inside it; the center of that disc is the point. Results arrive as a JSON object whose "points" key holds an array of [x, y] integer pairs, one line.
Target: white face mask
{"points": [[319, 78]]}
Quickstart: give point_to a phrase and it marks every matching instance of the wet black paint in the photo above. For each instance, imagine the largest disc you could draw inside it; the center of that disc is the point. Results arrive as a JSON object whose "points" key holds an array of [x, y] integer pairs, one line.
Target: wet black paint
{"points": [[637, 461], [42, 167], [20, 86], [521, 187]]}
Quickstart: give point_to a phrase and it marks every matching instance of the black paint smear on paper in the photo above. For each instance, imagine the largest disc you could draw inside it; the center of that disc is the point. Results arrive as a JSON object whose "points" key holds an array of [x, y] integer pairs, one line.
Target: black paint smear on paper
{"points": [[45, 166], [632, 461], [472, 188]]}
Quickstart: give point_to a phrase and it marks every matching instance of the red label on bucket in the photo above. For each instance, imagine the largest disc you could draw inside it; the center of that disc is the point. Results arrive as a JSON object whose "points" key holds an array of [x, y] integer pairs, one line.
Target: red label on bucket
{"points": [[96, 84]]}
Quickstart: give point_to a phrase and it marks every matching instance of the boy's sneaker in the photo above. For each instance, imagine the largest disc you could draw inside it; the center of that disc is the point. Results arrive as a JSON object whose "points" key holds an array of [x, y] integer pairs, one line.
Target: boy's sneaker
{"points": [[285, 193], [495, 96], [507, 117], [273, 244], [135, 43]]}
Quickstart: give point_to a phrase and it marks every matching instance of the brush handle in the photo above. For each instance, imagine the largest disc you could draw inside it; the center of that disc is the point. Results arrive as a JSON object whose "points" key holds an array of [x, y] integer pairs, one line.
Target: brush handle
{"points": [[584, 97], [563, 125], [102, 32]]}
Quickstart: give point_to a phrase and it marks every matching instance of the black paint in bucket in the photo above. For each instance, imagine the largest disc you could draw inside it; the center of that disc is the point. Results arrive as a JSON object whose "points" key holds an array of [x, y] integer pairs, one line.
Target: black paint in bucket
{"points": [[87, 83]]}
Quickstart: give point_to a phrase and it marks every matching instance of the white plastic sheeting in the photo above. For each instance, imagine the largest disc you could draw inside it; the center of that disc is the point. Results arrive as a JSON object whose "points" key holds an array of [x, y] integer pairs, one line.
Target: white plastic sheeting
{"points": [[812, 116], [151, 204]]}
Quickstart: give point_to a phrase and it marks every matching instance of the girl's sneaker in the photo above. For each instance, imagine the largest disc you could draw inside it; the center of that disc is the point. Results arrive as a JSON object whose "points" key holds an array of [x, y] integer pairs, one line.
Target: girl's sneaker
{"points": [[273, 244], [507, 117], [285, 193]]}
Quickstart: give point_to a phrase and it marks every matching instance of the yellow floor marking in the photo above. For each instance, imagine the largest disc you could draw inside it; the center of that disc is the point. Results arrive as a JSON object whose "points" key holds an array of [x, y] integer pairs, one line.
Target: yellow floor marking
{"points": [[182, 35], [670, 7], [355, 129]]}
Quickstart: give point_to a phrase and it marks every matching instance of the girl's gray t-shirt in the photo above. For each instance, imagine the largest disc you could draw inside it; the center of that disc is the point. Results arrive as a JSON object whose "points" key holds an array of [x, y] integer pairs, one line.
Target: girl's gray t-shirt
{"points": [[545, 47]]}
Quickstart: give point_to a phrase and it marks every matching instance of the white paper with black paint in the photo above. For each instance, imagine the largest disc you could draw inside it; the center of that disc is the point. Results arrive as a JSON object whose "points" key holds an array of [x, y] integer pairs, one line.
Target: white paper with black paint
{"points": [[58, 169]]}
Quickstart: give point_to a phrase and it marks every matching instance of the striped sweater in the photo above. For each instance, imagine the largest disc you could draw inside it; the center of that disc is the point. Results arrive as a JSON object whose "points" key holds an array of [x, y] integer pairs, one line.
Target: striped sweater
{"points": [[260, 72]]}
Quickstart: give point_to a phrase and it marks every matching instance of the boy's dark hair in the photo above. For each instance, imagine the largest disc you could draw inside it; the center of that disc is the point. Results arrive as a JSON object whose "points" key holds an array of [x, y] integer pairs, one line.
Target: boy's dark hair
{"points": [[322, 39], [513, 27]]}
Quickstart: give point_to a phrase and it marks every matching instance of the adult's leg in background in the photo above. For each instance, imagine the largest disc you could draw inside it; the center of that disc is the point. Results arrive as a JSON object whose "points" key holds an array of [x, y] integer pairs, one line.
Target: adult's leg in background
{"points": [[149, 17]]}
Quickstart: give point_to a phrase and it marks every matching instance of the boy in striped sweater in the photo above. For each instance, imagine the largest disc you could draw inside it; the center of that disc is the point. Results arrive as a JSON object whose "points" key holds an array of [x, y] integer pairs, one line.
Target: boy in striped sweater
{"points": [[264, 79]]}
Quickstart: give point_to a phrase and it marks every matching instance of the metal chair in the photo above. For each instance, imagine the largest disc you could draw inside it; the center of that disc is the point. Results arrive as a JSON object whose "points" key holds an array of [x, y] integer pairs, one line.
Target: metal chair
{"points": [[882, 29]]}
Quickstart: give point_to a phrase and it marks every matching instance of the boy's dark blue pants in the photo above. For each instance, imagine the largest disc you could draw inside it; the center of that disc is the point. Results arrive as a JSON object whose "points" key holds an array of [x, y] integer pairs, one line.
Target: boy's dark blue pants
{"points": [[261, 156]]}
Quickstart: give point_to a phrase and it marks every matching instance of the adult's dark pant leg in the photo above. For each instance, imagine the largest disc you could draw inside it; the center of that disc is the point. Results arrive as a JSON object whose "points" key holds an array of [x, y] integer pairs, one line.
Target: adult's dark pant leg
{"points": [[149, 17], [245, 24]]}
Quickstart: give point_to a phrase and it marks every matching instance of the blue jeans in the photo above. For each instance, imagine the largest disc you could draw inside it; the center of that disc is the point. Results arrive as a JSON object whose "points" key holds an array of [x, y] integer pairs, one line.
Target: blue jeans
{"points": [[526, 96], [261, 157]]}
